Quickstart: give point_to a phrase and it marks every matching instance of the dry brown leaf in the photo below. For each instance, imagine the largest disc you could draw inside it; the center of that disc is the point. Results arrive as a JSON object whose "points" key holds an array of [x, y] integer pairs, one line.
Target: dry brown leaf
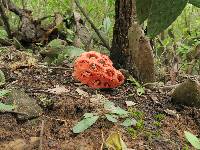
{"points": [[58, 90], [82, 93]]}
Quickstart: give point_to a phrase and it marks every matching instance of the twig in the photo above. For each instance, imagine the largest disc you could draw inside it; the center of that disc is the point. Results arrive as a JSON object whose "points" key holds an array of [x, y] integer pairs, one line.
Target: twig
{"points": [[92, 25], [41, 135], [13, 112], [5, 20]]}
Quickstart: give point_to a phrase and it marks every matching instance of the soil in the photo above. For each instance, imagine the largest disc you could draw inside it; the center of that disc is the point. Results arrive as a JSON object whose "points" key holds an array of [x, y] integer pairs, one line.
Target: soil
{"points": [[66, 109]]}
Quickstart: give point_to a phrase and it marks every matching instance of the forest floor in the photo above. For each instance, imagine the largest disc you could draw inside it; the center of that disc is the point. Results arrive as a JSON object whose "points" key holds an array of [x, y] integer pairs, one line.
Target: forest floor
{"points": [[162, 128]]}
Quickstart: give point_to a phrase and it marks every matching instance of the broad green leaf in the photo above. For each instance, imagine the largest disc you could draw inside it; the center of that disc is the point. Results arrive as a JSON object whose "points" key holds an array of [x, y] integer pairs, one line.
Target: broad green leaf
{"points": [[108, 105], [87, 115], [195, 3], [192, 139], [143, 8], [4, 107], [129, 122], [3, 92], [162, 14], [84, 124], [119, 111], [111, 118], [2, 78]]}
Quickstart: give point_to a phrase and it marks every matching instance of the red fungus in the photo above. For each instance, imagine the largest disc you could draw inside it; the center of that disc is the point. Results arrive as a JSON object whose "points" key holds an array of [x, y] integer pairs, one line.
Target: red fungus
{"points": [[96, 70]]}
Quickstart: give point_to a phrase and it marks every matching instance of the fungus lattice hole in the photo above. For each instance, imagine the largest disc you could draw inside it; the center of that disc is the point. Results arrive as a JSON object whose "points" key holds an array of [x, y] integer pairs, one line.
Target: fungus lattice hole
{"points": [[120, 78], [110, 72], [86, 74], [95, 67], [101, 61], [92, 56]]}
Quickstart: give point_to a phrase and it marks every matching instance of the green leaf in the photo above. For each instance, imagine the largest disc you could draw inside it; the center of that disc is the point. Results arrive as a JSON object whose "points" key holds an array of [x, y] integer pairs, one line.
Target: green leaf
{"points": [[162, 14], [108, 105], [192, 139], [84, 124], [3, 92], [119, 111], [195, 3], [4, 107], [129, 122], [87, 115], [140, 91], [111, 118], [143, 8], [2, 78]]}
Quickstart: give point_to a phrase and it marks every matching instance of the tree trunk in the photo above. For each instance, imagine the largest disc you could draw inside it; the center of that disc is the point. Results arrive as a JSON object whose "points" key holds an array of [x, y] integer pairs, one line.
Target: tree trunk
{"points": [[131, 50]]}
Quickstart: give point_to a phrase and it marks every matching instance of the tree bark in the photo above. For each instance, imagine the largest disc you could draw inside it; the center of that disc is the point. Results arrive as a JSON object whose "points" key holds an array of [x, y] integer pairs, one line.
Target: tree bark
{"points": [[131, 50]]}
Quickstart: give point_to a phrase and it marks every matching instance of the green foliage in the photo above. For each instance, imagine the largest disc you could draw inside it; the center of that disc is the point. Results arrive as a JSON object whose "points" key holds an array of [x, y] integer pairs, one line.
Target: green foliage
{"points": [[110, 112], [195, 2], [162, 14], [88, 121], [192, 139], [129, 122], [3, 93], [4, 107], [143, 9], [159, 117], [140, 88], [112, 118]]}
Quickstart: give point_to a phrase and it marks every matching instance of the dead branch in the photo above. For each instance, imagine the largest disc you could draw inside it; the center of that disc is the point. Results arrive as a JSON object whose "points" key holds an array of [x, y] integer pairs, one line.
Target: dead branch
{"points": [[92, 25], [5, 21], [10, 6]]}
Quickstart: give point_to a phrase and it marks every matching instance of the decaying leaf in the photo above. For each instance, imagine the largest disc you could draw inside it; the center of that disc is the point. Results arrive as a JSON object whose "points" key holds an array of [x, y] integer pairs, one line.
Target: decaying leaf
{"points": [[82, 93], [130, 103], [115, 142], [58, 90], [21, 144], [2, 78]]}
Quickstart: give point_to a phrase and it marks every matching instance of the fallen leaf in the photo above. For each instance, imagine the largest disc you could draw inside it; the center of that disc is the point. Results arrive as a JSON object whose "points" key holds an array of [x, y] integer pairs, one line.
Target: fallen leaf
{"points": [[82, 93], [114, 141], [171, 112], [130, 103], [21, 144], [58, 90]]}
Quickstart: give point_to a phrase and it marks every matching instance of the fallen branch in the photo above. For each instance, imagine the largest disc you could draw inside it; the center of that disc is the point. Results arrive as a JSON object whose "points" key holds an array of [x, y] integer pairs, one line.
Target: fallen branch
{"points": [[92, 25]]}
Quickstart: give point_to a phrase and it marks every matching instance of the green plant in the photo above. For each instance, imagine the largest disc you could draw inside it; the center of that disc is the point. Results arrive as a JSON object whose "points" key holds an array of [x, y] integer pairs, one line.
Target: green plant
{"points": [[159, 117], [3, 93], [194, 141], [140, 88], [159, 20], [110, 112]]}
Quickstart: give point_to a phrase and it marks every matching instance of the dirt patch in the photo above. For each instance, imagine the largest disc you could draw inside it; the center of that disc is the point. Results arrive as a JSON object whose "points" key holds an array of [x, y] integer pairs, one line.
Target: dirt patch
{"points": [[66, 109]]}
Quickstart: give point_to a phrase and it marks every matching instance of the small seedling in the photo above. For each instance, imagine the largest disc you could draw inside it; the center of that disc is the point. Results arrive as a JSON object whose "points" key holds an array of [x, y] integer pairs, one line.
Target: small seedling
{"points": [[3, 93], [159, 117], [140, 89], [111, 113]]}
